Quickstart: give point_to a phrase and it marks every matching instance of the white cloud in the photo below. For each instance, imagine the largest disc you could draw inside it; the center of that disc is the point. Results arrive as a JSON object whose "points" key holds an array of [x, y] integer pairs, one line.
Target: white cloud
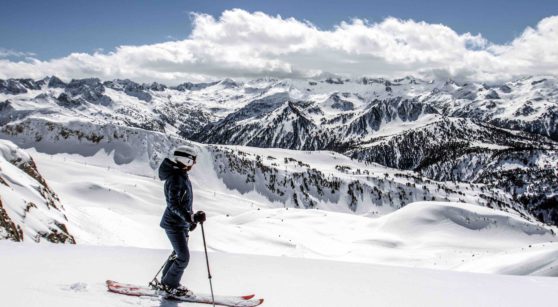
{"points": [[4, 53], [243, 44]]}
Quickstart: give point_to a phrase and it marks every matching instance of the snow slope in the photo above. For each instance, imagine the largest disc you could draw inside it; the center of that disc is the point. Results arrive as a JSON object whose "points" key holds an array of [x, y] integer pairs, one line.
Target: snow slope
{"points": [[419, 255], [74, 276], [29, 209], [433, 128], [109, 204], [369, 238]]}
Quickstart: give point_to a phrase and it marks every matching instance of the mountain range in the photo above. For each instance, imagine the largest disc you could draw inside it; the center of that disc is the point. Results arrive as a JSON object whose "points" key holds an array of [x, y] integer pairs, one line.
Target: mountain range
{"points": [[498, 141]]}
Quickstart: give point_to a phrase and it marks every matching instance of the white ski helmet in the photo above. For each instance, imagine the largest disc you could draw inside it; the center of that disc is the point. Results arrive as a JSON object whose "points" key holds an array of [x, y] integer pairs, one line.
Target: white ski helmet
{"points": [[185, 154]]}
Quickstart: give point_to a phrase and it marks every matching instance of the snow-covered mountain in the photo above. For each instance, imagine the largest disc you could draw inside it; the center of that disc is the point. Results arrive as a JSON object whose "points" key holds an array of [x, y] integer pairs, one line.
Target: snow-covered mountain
{"points": [[499, 136], [29, 209], [357, 108], [121, 204], [335, 211]]}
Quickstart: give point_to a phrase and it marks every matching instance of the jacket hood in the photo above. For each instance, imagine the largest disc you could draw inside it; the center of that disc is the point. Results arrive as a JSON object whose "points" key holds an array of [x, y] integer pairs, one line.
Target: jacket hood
{"points": [[168, 168]]}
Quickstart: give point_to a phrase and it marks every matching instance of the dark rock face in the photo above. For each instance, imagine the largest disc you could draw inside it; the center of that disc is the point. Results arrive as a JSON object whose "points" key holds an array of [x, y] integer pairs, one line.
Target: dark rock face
{"points": [[130, 88], [68, 102], [492, 95], [55, 82], [12, 86], [5, 112], [31, 84], [90, 90], [226, 128], [8, 113], [191, 121], [526, 110], [383, 111], [545, 125], [286, 124], [12, 230], [341, 104], [446, 139], [19, 86], [334, 81], [546, 209], [188, 86], [229, 83], [505, 89], [157, 87], [465, 93], [55, 230]]}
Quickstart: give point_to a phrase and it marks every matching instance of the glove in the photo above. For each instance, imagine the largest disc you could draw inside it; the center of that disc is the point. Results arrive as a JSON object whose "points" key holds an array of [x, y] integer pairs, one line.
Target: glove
{"points": [[189, 218], [193, 226], [199, 217]]}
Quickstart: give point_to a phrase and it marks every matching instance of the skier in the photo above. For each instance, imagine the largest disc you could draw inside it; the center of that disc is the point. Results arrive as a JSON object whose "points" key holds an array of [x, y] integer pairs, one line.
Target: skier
{"points": [[178, 219]]}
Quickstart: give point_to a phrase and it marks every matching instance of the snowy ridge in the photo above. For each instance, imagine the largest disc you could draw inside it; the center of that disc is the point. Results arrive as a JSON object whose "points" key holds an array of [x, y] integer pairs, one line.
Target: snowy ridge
{"points": [[126, 145], [29, 208], [331, 181], [286, 178], [108, 198], [501, 135], [528, 104]]}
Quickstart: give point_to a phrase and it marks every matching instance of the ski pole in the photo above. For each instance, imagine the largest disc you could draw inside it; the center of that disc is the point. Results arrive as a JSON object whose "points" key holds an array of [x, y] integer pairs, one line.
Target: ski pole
{"points": [[207, 262], [168, 259]]}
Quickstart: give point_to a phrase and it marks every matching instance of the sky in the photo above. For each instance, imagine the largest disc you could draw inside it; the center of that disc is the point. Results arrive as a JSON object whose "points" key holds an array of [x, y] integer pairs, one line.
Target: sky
{"points": [[74, 38]]}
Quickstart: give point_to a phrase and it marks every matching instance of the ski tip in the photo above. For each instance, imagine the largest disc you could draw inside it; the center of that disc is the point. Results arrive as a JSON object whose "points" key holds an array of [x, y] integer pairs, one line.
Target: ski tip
{"points": [[247, 297], [261, 300]]}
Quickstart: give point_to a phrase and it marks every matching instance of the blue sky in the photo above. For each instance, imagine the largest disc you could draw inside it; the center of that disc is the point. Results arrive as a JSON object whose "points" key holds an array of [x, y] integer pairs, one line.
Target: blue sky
{"points": [[54, 28], [202, 40]]}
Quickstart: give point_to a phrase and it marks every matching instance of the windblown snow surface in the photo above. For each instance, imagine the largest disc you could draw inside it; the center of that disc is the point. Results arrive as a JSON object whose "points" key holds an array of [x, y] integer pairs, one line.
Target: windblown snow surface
{"points": [[74, 276], [424, 254]]}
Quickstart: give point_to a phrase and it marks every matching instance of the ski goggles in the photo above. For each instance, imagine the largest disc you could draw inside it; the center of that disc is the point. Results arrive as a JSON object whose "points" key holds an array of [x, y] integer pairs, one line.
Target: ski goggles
{"points": [[185, 158]]}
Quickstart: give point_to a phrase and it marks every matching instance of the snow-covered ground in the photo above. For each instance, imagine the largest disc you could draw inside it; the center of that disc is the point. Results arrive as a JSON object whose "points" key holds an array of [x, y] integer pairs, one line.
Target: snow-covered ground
{"points": [[424, 254], [74, 276], [110, 205]]}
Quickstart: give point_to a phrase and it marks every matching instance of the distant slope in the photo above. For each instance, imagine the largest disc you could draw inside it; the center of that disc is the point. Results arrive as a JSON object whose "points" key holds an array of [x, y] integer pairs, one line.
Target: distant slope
{"points": [[111, 205], [288, 178]]}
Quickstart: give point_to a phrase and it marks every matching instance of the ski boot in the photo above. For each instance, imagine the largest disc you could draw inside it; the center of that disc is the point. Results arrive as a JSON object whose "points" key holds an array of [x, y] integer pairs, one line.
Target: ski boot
{"points": [[155, 284], [176, 292]]}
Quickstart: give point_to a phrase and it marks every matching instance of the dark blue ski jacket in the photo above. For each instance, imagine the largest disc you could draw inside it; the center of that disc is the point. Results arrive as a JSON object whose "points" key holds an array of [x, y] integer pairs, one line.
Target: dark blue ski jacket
{"points": [[178, 192]]}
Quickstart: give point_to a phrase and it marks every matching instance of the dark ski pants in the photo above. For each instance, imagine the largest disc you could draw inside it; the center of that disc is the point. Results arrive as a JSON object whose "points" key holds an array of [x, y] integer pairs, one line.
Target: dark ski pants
{"points": [[173, 270]]}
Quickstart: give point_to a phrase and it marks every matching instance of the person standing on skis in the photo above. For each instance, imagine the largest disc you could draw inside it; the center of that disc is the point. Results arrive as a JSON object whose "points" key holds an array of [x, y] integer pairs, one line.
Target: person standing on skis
{"points": [[178, 219]]}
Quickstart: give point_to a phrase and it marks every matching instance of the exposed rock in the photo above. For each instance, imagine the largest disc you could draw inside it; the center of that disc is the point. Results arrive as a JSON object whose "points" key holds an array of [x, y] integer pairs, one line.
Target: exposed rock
{"points": [[91, 90], [55, 82], [492, 95], [21, 216], [12, 86]]}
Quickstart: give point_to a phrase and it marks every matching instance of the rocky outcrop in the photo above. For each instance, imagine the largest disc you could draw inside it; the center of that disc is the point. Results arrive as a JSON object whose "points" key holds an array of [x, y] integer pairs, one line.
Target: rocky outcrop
{"points": [[33, 211]]}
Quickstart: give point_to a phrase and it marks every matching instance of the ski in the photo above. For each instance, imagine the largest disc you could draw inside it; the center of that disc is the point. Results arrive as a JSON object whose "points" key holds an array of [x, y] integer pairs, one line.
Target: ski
{"points": [[231, 301]]}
